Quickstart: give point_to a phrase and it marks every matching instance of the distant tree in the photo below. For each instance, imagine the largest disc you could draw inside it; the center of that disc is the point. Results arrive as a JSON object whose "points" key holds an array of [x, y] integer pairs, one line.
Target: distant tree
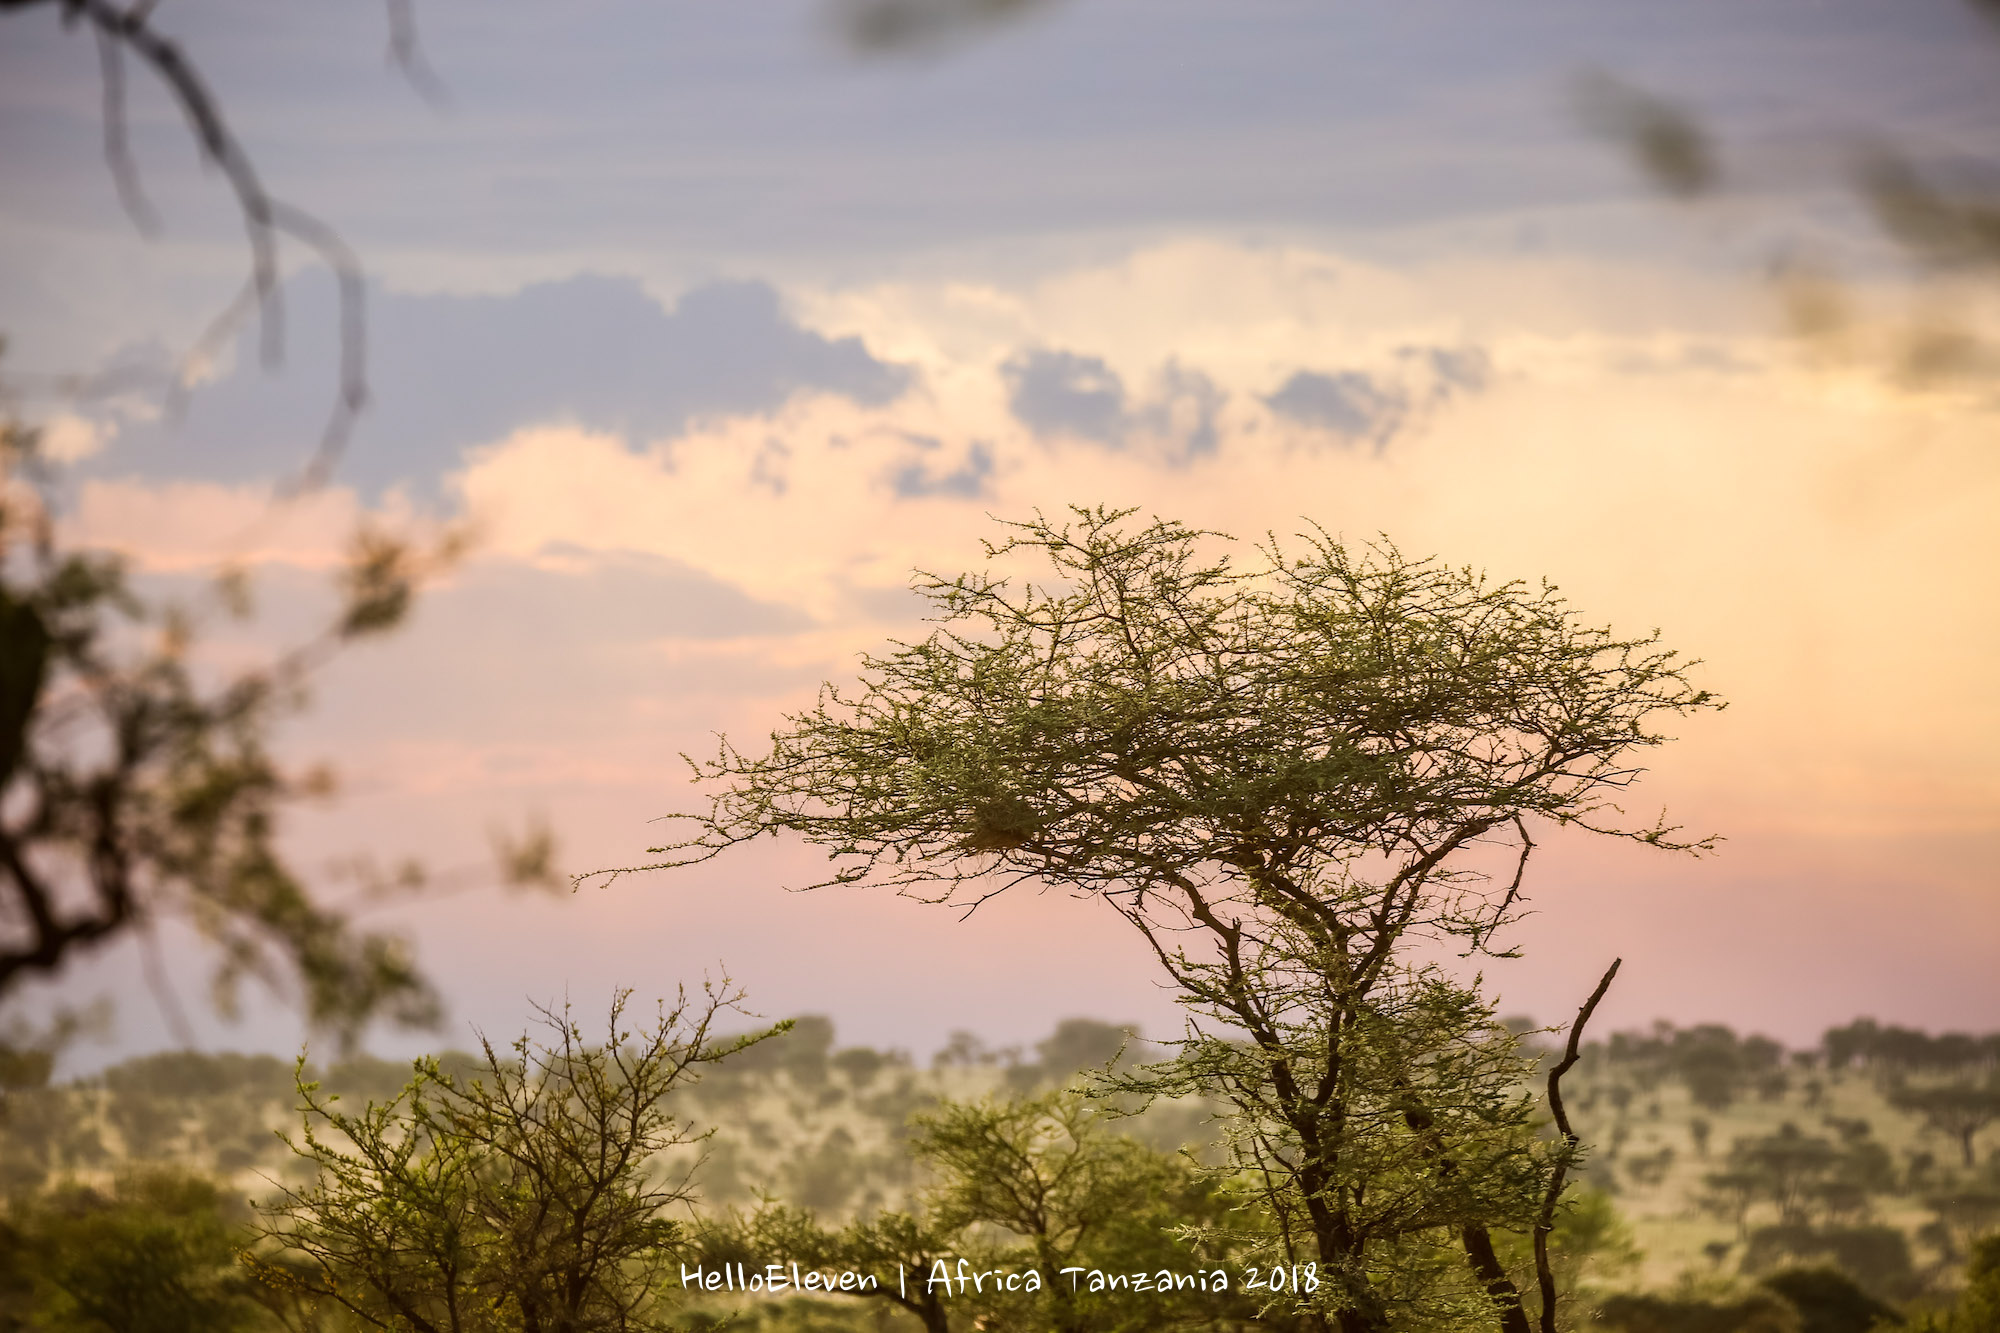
{"points": [[1758, 1312], [1280, 779], [1712, 1078], [1829, 1301], [801, 1049], [963, 1049], [1844, 1046], [1877, 1256], [1710, 1060], [1959, 1110], [521, 1199], [886, 1246], [1802, 1177], [1078, 1044], [859, 1063], [1649, 1169]]}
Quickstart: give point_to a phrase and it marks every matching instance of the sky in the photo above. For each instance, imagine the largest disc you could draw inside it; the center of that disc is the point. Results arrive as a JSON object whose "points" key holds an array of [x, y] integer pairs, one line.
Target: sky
{"points": [[710, 328]]}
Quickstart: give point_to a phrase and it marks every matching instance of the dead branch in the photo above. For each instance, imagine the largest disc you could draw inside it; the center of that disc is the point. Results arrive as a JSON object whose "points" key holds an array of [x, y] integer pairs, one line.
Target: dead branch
{"points": [[1544, 1275]]}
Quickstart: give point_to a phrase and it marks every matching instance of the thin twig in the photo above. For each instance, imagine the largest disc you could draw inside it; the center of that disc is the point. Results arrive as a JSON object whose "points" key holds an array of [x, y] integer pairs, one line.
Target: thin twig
{"points": [[1479, 937], [353, 391], [117, 149], [264, 216], [406, 52]]}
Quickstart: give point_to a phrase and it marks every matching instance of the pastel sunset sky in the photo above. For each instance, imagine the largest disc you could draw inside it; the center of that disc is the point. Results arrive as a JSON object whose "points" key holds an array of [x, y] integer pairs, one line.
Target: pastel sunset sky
{"points": [[712, 327]]}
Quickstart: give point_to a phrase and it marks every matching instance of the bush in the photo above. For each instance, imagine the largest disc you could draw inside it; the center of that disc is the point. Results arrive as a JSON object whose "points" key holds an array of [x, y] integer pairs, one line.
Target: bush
{"points": [[1876, 1256], [1759, 1312], [156, 1254], [1829, 1301]]}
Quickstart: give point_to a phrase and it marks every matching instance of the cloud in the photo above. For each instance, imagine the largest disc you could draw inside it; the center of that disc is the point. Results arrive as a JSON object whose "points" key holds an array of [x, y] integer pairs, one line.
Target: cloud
{"points": [[627, 601], [1182, 413], [69, 438], [1678, 356], [1453, 369], [1348, 403], [1360, 407], [969, 481], [1063, 393], [586, 598], [448, 372], [1058, 393]]}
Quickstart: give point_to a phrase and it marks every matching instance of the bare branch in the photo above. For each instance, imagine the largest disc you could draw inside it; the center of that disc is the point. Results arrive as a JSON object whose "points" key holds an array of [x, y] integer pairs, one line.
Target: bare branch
{"points": [[122, 29], [1544, 1274], [117, 152], [406, 52]]}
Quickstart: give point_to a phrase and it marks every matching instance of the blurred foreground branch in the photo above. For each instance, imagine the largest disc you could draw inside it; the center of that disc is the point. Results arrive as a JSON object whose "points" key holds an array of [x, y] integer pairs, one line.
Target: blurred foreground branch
{"points": [[133, 789], [127, 30], [1939, 214]]}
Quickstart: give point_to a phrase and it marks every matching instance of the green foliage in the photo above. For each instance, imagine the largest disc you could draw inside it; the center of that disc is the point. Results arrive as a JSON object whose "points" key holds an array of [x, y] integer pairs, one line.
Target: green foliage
{"points": [[157, 1254], [1422, 1092], [1715, 1064], [1080, 1044], [1758, 1312], [1591, 1249], [1977, 1309], [886, 1243], [1801, 1177], [1959, 1110], [1877, 1256], [1048, 1175], [1166, 716], [1039, 1185], [1274, 776], [134, 789], [1829, 1301], [1900, 1050], [523, 1198]]}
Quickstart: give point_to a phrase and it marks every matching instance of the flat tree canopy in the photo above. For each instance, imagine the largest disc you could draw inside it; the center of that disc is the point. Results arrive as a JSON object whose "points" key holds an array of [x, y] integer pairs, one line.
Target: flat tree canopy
{"points": [[1325, 733], [1278, 775]]}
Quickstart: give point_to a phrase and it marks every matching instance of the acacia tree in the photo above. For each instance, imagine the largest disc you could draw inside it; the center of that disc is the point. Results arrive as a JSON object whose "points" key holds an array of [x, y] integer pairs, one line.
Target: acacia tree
{"points": [[1958, 1110], [1053, 1187], [1044, 1186], [1282, 778], [528, 1196]]}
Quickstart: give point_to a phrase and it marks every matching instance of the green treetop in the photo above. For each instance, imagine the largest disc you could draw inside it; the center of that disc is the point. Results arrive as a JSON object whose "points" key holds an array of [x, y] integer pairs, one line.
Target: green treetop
{"points": [[1281, 777]]}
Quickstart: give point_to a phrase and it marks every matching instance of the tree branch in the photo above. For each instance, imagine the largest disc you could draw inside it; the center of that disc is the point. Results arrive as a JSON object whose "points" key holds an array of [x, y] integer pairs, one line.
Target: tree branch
{"points": [[1545, 1275]]}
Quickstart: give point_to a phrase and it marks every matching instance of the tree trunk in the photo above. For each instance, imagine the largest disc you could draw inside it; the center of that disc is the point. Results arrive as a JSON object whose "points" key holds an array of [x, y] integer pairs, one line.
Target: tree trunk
{"points": [[1506, 1296]]}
